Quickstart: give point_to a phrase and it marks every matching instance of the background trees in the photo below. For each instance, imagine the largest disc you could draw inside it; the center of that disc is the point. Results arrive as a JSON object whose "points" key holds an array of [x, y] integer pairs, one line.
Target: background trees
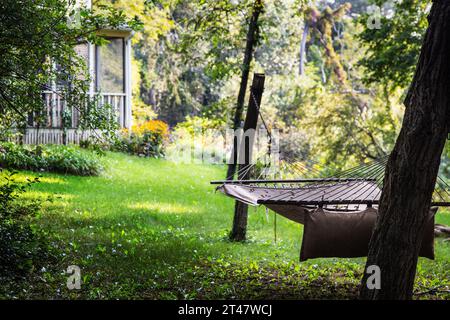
{"points": [[393, 50], [188, 62]]}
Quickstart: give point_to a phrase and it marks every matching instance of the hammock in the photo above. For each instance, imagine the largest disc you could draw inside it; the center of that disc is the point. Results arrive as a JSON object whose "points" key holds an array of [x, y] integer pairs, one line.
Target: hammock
{"points": [[338, 211], [351, 190]]}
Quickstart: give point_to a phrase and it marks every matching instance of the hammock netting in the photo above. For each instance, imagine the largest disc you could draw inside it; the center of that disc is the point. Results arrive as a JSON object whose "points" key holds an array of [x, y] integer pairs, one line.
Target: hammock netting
{"points": [[304, 183]]}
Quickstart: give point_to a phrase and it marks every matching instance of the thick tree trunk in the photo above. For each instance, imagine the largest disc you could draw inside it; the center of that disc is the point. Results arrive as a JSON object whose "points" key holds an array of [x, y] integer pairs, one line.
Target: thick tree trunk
{"points": [[239, 230], [251, 41], [413, 166]]}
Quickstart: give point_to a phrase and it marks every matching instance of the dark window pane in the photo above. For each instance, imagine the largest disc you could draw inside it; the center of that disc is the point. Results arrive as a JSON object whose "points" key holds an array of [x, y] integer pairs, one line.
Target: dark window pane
{"points": [[110, 70]]}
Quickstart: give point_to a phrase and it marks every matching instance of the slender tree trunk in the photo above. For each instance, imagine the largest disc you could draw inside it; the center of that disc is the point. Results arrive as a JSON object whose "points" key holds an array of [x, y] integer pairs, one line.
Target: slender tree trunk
{"points": [[413, 166], [251, 41], [303, 48], [23, 132]]}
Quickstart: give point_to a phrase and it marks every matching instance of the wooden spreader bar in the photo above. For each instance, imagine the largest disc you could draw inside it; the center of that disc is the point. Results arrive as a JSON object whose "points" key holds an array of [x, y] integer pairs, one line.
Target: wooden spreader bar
{"points": [[291, 181], [337, 202]]}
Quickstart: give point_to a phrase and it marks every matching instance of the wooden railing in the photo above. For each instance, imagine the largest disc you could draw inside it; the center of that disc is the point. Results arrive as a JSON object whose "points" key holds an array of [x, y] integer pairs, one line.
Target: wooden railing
{"points": [[56, 107], [117, 102]]}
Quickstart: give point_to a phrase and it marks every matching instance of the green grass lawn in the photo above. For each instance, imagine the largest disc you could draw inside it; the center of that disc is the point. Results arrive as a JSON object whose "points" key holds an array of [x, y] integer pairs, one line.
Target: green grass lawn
{"points": [[154, 229]]}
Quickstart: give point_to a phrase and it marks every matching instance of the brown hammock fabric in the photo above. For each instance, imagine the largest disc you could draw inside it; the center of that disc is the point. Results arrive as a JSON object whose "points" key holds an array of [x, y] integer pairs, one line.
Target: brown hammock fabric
{"points": [[337, 234], [341, 231], [347, 234], [249, 194], [291, 212]]}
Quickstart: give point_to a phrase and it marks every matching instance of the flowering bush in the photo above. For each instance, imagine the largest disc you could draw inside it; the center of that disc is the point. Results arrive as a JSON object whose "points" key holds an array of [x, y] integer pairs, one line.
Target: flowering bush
{"points": [[151, 127], [147, 139]]}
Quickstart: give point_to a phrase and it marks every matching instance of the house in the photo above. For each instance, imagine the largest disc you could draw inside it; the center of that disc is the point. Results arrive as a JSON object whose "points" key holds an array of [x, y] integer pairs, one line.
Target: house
{"points": [[110, 70]]}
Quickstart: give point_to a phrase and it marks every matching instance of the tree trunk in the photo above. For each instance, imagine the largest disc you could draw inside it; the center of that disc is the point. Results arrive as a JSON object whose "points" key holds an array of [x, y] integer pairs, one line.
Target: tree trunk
{"points": [[239, 230], [252, 39], [303, 48], [413, 166]]}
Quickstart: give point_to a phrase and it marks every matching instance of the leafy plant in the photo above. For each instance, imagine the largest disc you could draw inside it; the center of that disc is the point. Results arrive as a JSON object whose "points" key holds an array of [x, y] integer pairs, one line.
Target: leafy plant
{"points": [[51, 158], [19, 244], [195, 124], [197, 137]]}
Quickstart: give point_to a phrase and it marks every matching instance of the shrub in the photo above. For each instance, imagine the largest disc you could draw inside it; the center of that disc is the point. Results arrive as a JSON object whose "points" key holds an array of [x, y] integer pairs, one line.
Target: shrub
{"points": [[198, 124], [294, 145], [51, 158], [147, 139], [20, 247], [196, 138]]}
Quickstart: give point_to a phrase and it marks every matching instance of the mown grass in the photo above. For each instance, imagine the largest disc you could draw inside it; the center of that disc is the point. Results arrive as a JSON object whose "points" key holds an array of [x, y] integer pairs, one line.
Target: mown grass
{"points": [[154, 229]]}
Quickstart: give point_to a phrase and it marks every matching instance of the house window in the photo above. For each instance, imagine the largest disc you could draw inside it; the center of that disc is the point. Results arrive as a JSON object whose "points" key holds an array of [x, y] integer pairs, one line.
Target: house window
{"points": [[110, 66]]}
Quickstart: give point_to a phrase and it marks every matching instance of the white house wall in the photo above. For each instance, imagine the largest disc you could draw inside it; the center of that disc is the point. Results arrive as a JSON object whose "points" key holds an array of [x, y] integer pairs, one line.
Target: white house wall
{"points": [[128, 83]]}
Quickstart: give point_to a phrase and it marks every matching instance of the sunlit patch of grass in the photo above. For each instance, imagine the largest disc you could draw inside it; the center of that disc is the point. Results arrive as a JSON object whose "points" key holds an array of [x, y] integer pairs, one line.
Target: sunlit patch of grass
{"points": [[443, 217], [33, 194], [52, 180], [158, 207]]}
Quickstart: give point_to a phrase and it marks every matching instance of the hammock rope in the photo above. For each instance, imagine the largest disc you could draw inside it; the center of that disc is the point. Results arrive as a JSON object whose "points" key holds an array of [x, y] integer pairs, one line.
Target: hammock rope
{"points": [[303, 183], [309, 183]]}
